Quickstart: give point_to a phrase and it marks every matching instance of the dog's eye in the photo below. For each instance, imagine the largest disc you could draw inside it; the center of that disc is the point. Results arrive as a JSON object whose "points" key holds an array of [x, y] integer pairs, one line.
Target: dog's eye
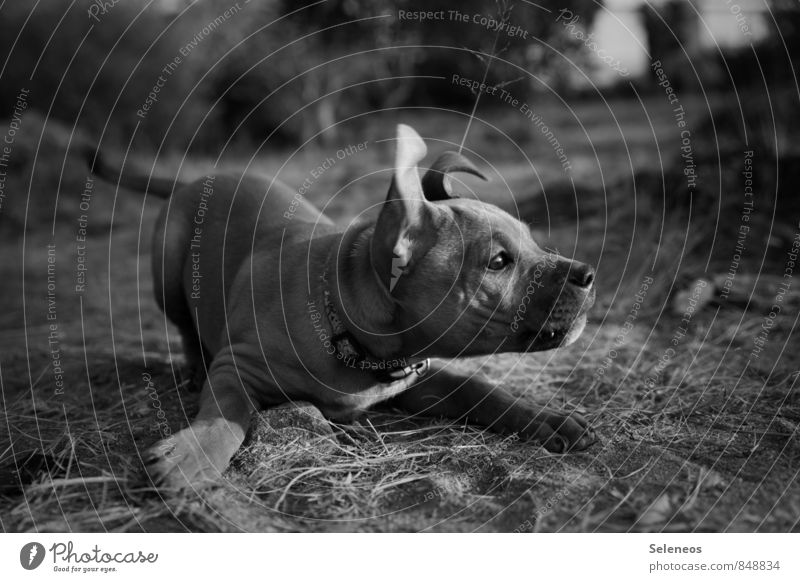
{"points": [[499, 261]]}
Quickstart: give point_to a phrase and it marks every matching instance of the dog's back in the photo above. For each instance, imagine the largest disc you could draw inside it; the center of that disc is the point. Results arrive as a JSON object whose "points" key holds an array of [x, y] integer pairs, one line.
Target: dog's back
{"points": [[210, 228], [209, 234]]}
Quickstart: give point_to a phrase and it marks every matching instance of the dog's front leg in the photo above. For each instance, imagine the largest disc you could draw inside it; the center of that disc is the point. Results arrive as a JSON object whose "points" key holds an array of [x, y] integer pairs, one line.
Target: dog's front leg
{"points": [[197, 455], [443, 393]]}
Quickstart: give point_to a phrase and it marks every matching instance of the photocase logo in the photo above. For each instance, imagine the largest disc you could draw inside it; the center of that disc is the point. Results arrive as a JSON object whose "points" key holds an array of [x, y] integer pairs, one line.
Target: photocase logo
{"points": [[31, 555]]}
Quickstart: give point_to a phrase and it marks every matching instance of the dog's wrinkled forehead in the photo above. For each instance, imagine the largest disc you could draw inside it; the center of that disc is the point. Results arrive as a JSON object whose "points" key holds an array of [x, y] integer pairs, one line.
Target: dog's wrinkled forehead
{"points": [[490, 223]]}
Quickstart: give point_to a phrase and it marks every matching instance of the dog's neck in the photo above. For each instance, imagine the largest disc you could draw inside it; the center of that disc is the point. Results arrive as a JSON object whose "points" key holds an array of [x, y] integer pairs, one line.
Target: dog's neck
{"points": [[366, 309], [351, 354]]}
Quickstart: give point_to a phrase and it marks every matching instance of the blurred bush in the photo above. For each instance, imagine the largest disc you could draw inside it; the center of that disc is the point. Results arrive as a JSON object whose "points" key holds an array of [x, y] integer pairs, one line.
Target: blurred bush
{"points": [[261, 69], [307, 68], [96, 75]]}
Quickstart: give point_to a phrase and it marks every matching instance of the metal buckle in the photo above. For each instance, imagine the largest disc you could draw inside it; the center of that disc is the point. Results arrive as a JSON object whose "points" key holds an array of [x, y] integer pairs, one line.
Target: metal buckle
{"points": [[421, 368]]}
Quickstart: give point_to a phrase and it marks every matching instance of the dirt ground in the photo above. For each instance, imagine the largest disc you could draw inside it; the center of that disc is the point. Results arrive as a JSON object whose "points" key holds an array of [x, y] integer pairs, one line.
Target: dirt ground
{"points": [[698, 430]]}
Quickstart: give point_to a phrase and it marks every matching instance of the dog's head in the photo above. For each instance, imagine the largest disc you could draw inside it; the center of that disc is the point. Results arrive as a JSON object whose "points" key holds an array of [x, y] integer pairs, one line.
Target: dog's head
{"points": [[465, 277]]}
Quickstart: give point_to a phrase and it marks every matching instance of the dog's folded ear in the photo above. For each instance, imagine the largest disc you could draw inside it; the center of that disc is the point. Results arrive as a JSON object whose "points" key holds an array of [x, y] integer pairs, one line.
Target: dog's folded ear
{"points": [[436, 182], [405, 225]]}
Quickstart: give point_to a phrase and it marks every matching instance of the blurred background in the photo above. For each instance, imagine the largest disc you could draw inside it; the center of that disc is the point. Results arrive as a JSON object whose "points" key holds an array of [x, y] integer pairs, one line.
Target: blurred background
{"points": [[92, 64], [637, 135], [245, 80]]}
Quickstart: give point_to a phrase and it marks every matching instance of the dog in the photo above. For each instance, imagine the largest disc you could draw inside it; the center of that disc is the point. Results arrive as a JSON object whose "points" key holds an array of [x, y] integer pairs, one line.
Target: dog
{"points": [[278, 304]]}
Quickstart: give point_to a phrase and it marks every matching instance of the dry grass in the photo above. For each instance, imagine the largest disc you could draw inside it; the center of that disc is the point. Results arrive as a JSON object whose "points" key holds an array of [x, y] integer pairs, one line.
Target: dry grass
{"points": [[711, 445]]}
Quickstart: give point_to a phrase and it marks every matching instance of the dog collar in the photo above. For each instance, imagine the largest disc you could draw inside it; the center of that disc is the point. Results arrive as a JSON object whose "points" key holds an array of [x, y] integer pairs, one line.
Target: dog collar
{"points": [[352, 355]]}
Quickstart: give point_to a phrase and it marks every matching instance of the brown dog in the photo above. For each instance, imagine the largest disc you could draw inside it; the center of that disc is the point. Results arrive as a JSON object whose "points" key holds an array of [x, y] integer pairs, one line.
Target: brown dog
{"points": [[278, 304]]}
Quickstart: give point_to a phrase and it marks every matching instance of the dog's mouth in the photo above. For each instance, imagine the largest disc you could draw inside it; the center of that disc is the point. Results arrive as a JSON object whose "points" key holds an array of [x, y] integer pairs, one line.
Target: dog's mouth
{"points": [[547, 337], [556, 334], [561, 328], [549, 334]]}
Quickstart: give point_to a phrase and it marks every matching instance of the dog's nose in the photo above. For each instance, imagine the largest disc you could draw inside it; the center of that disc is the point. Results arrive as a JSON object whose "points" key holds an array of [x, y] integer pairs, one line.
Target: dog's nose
{"points": [[581, 275]]}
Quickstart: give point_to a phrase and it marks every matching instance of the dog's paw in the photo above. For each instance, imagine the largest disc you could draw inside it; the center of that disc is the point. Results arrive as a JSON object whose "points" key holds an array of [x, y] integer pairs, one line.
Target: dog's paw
{"points": [[560, 432], [182, 462]]}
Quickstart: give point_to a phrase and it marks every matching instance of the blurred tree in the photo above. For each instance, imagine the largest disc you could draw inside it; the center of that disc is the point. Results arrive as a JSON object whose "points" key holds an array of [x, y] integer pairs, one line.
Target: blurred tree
{"points": [[672, 32], [785, 24]]}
